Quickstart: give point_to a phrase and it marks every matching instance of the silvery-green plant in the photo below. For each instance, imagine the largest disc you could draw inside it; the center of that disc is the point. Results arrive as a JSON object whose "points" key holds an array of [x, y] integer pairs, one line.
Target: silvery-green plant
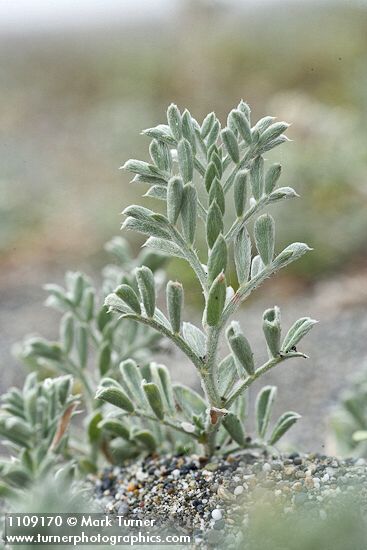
{"points": [[92, 344], [349, 420], [34, 426], [196, 171]]}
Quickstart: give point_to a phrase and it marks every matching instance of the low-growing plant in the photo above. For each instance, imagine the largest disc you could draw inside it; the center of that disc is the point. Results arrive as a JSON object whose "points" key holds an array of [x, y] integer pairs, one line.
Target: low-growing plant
{"points": [[349, 420], [196, 170], [34, 425], [92, 344]]}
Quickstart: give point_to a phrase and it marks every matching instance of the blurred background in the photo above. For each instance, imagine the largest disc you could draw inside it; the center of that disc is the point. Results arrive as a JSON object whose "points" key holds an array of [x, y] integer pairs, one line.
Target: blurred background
{"points": [[79, 81]]}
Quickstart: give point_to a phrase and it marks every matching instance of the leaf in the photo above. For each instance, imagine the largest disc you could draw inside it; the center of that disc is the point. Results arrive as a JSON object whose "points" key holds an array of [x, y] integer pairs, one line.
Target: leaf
{"points": [[82, 346], [230, 143], [157, 192], [146, 286], [264, 404], [240, 192], [216, 300], [272, 330], [297, 332], [160, 155], [154, 398], [210, 174], [188, 130], [264, 237], [165, 247], [115, 427], [174, 199], [216, 193], [174, 121], [188, 212], [189, 401], [161, 132], [195, 338], [242, 255], [217, 259], [243, 125], [271, 178], [185, 160], [273, 132], [104, 358], [146, 438], [207, 124], [283, 424], [174, 293], [282, 193], [147, 228], [290, 254], [132, 380], [166, 387], [67, 332], [214, 223], [242, 352], [128, 296], [227, 374], [113, 302], [115, 396], [235, 429], [213, 134], [257, 177]]}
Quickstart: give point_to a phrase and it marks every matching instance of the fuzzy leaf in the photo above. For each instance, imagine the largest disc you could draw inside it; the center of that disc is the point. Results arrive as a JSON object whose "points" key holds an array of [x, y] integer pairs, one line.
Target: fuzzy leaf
{"points": [[174, 121], [272, 330], [297, 332], [230, 142], [189, 401], [273, 132], [243, 125], [160, 155], [161, 132], [257, 178], [240, 192], [235, 429], [174, 199], [290, 254], [188, 212], [67, 332], [153, 395], [283, 424], [242, 255], [128, 296], [146, 286], [115, 396], [185, 160], [216, 193], [282, 193], [271, 178], [210, 174], [195, 338], [207, 124], [132, 380], [115, 427], [104, 358], [241, 348], [175, 295], [227, 374], [214, 224], [146, 438], [217, 259], [216, 300], [264, 237], [264, 404], [165, 247]]}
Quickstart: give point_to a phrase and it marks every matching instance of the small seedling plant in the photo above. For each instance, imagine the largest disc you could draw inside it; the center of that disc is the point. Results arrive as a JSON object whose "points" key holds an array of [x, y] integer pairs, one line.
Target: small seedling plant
{"points": [[200, 173]]}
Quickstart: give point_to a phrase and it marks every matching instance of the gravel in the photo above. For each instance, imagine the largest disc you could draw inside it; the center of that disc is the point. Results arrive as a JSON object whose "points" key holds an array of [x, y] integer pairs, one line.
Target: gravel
{"points": [[211, 501]]}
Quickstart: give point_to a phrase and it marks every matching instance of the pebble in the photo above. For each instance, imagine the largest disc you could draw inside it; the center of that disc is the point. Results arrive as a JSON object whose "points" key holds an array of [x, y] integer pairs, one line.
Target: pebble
{"points": [[216, 515], [238, 490]]}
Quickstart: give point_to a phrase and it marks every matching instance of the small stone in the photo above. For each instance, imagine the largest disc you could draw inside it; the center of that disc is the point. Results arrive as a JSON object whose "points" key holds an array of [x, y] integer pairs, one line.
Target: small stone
{"points": [[266, 467], [176, 473], [297, 486], [212, 466], [216, 514], [123, 509], [326, 477], [289, 470], [238, 490]]}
